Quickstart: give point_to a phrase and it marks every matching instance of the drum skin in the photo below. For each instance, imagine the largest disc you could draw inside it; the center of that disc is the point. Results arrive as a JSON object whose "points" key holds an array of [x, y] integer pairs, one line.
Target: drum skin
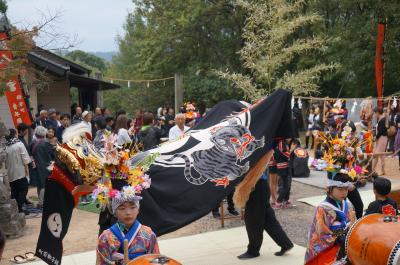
{"points": [[153, 259], [371, 241]]}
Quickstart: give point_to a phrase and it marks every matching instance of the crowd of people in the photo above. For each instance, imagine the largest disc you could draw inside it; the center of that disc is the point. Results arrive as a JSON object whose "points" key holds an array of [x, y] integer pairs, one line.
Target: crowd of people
{"points": [[29, 157]]}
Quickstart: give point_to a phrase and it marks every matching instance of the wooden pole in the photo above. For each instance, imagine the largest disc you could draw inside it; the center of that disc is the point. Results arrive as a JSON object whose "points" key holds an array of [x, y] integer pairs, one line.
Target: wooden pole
{"points": [[178, 92], [126, 253]]}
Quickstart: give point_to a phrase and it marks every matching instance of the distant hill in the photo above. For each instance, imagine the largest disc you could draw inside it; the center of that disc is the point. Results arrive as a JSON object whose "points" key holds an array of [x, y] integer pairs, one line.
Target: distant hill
{"points": [[104, 55]]}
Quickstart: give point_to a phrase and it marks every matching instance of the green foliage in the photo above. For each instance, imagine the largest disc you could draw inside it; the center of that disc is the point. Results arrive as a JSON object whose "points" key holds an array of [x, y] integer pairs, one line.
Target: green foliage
{"points": [[88, 60], [3, 6], [140, 97], [284, 43], [188, 37], [274, 46], [353, 24]]}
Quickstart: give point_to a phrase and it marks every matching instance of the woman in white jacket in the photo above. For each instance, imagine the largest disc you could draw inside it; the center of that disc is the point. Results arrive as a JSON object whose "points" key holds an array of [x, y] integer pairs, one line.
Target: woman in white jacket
{"points": [[121, 130]]}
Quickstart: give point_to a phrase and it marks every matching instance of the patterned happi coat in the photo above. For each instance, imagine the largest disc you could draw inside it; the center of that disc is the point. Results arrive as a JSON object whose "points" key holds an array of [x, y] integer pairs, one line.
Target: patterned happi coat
{"points": [[141, 240], [323, 244]]}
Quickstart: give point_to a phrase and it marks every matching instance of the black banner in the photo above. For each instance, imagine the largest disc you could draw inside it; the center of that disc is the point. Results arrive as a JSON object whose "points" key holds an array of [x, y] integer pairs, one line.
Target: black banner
{"points": [[57, 212], [192, 175]]}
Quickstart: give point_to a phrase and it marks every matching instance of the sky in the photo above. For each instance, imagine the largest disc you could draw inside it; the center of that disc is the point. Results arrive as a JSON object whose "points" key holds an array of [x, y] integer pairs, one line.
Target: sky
{"points": [[95, 23]]}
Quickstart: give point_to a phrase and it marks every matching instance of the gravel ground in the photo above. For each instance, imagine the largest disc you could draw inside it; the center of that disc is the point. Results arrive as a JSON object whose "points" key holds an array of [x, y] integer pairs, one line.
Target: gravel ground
{"points": [[83, 229], [295, 221]]}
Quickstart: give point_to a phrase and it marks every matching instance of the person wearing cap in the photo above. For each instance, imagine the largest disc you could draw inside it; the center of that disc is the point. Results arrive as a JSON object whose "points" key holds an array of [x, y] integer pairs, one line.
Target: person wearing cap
{"points": [[87, 117], [142, 240], [332, 218]]}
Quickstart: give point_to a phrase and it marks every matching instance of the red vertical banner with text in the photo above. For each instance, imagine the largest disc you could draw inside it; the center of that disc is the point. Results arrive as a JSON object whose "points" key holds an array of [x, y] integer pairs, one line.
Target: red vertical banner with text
{"points": [[13, 93], [16, 102], [379, 62]]}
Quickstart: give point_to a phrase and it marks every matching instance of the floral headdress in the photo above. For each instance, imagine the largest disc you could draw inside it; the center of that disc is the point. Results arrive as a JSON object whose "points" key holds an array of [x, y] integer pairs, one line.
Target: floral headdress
{"points": [[118, 166], [190, 110], [341, 153]]}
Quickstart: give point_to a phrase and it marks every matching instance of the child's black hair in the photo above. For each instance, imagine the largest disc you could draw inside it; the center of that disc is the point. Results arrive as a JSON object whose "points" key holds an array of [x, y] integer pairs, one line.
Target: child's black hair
{"points": [[295, 142], [382, 186]]}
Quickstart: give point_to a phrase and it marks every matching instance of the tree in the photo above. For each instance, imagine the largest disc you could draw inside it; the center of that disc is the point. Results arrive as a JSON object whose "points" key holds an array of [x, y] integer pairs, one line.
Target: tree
{"points": [[276, 49], [89, 60], [3, 6], [353, 24], [188, 37]]}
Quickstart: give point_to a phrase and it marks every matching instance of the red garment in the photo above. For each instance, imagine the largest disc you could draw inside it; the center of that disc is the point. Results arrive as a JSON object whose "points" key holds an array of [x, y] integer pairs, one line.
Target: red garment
{"points": [[327, 257]]}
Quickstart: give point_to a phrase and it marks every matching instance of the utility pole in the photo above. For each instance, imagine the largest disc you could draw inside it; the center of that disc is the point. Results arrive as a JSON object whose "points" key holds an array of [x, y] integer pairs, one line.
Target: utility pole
{"points": [[178, 92]]}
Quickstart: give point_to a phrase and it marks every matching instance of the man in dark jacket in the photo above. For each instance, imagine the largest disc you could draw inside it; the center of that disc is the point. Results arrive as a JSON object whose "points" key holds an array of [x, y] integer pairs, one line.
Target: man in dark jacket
{"points": [[65, 122], [149, 134], [52, 121], [23, 130], [43, 154]]}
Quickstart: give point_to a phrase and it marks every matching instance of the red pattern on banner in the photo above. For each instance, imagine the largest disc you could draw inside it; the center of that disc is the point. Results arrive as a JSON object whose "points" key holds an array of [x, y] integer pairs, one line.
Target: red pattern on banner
{"points": [[379, 62], [15, 98]]}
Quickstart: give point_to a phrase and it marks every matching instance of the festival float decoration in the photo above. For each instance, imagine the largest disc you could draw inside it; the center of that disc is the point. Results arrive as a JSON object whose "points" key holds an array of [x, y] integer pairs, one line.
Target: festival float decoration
{"points": [[118, 169], [340, 154]]}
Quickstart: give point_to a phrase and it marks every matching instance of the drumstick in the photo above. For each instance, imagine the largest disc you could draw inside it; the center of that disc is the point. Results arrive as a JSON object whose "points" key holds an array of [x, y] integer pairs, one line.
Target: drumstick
{"points": [[382, 153], [126, 254]]}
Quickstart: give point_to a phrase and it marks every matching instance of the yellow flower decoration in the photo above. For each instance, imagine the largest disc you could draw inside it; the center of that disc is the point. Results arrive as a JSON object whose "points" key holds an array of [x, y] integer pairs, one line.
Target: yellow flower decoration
{"points": [[352, 173]]}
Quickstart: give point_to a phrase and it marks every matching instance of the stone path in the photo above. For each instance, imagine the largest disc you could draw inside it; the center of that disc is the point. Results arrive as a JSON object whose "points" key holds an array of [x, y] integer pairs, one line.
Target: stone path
{"points": [[219, 247]]}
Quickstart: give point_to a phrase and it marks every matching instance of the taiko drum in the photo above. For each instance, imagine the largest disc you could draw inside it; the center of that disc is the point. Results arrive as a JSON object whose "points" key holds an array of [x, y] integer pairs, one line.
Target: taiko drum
{"points": [[374, 240]]}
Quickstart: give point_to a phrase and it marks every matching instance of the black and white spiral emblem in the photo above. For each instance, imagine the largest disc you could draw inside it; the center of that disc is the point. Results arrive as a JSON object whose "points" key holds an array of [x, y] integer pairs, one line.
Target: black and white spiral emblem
{"points": [[394, 257], [54, 223]]}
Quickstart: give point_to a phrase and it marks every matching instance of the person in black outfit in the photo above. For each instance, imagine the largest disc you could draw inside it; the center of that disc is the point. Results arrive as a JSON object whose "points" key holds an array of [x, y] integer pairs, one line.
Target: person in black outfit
{"points": [[169, 119], [149, 135], [298, 162], [42, 120], [231, 207], [23, 130], [282, 156], [65, 122], [259, 216], [382, 187], [355, 198]]}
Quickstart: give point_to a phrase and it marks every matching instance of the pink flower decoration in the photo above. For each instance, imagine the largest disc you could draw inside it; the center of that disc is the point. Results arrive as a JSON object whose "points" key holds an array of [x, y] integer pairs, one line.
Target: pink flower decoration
{"points": [[358, 169], [113, 193]]}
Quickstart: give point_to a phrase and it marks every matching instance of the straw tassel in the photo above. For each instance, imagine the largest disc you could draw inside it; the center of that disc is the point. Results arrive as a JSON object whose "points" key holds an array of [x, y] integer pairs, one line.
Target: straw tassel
{"points": [[243, 190]]}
